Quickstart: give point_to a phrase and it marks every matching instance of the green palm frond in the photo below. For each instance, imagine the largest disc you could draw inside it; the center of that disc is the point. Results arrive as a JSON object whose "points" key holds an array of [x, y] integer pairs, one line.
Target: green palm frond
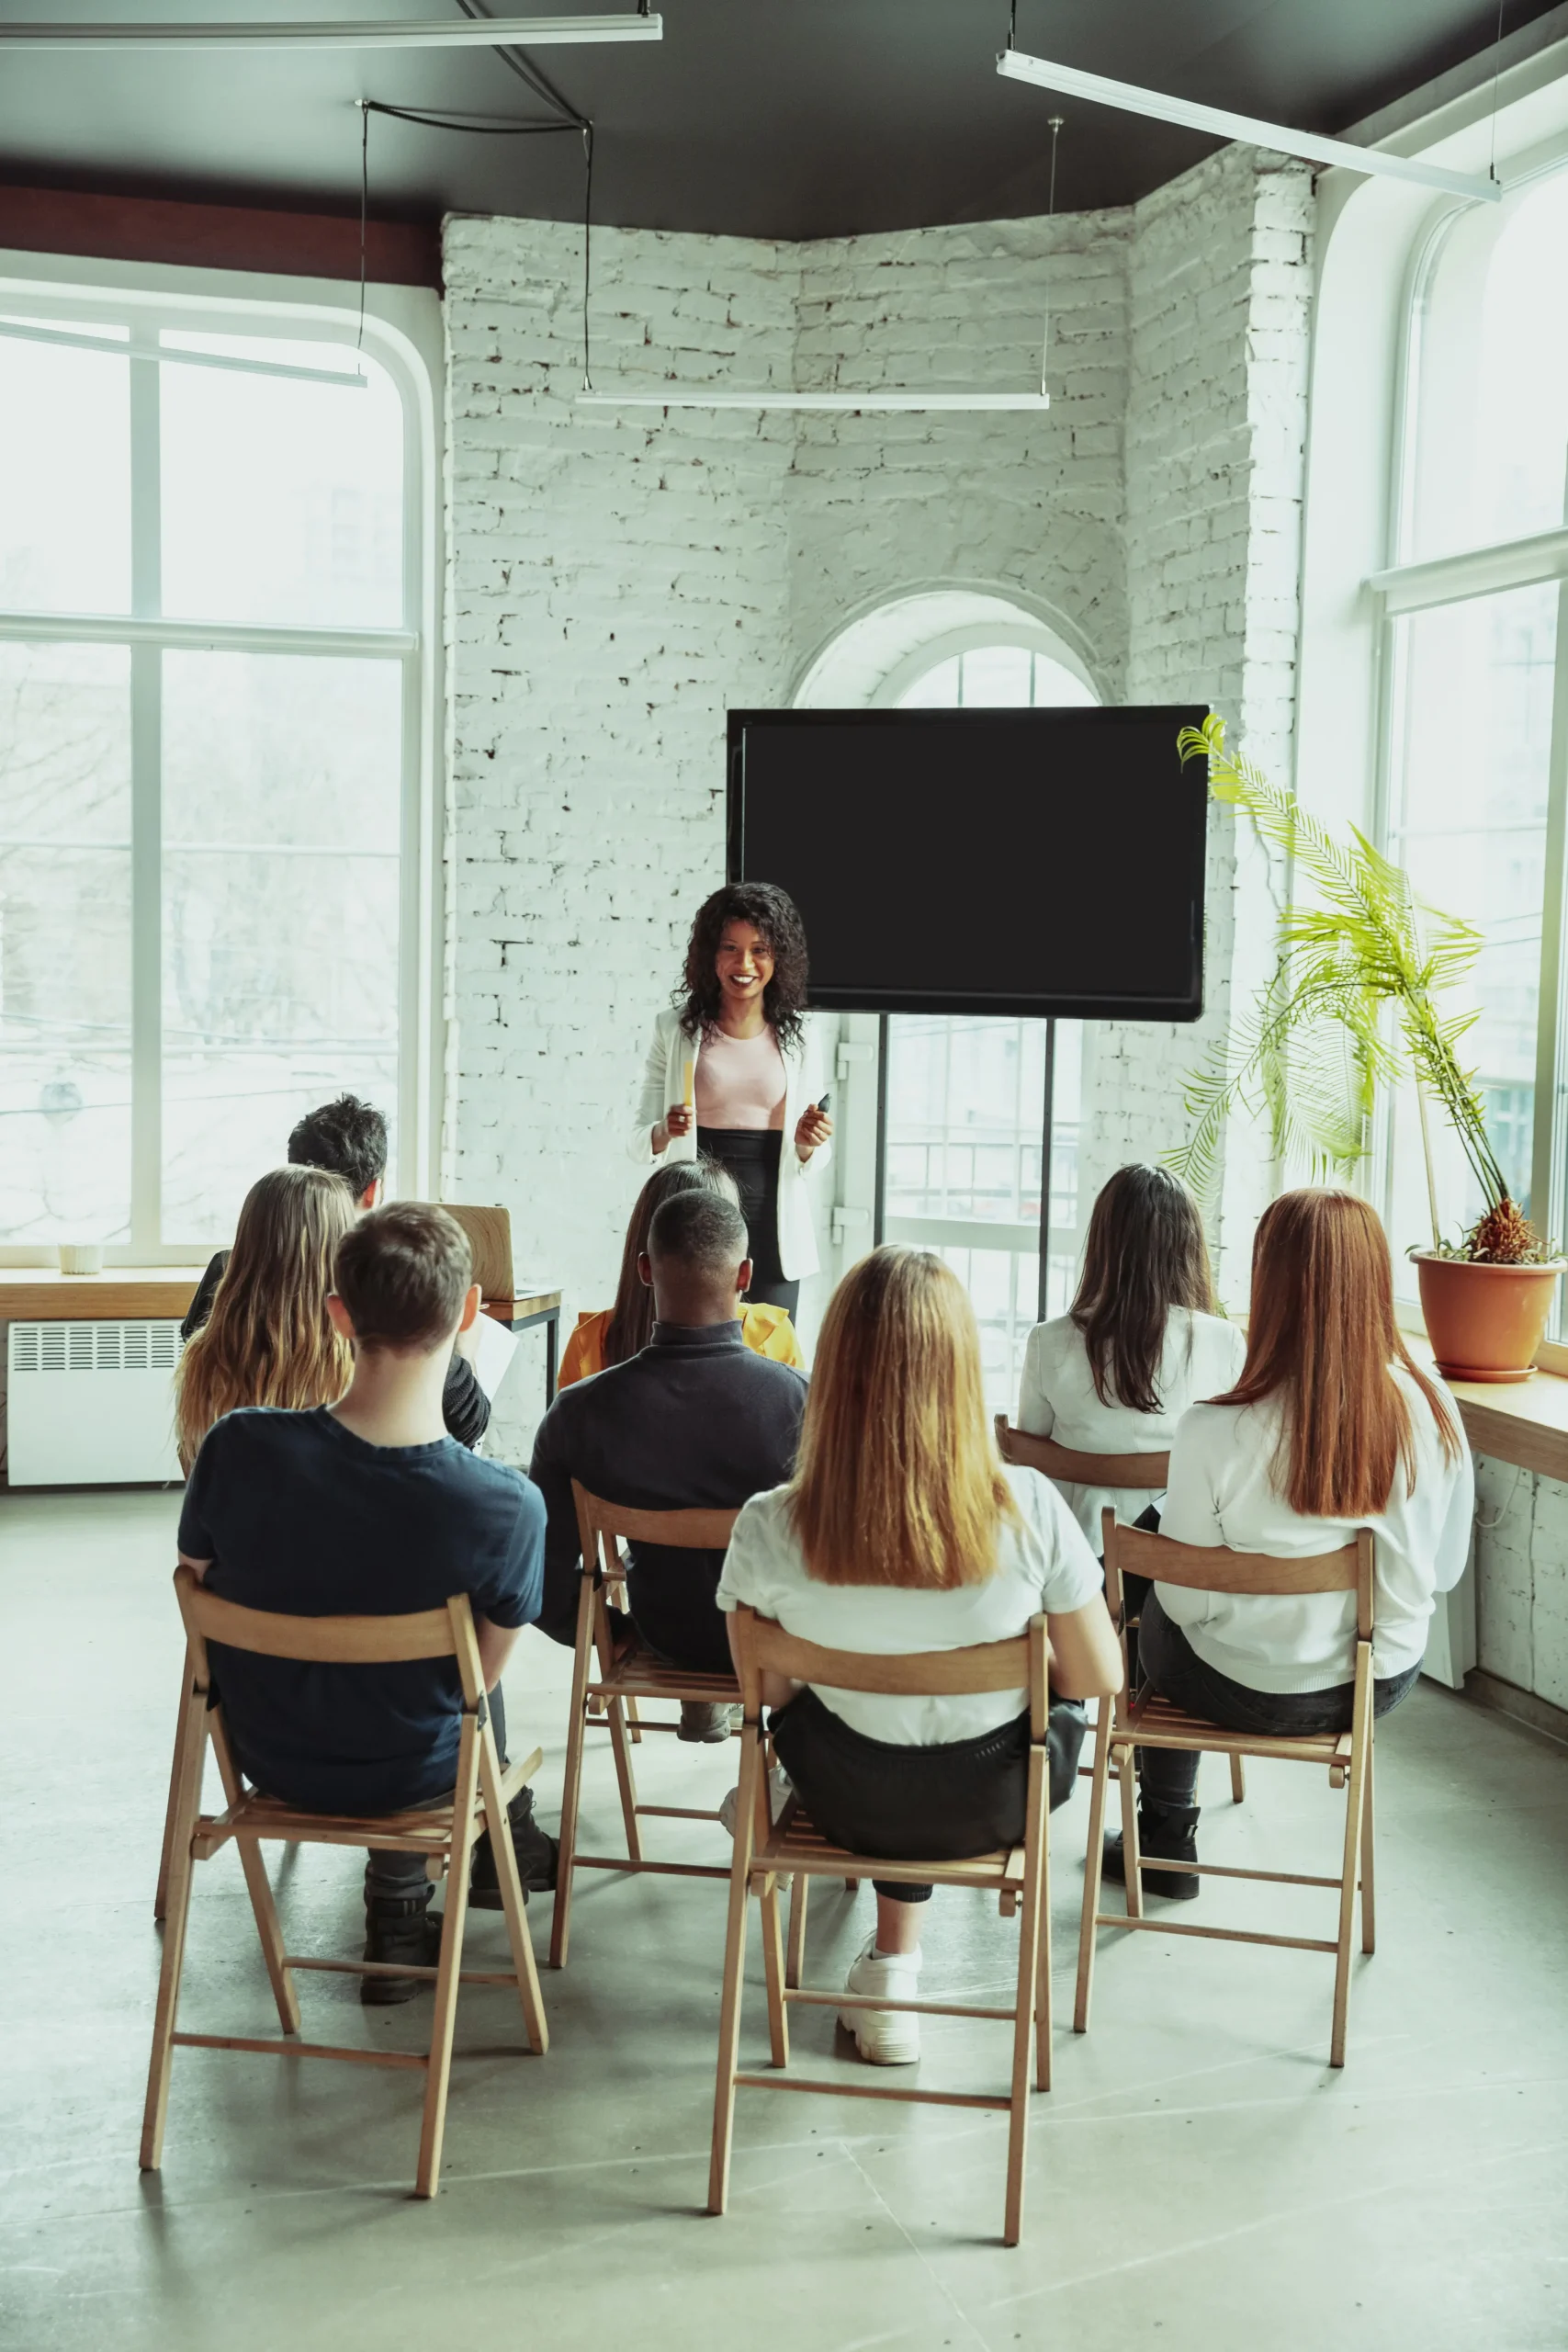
{"points": [[1350, 1004]]}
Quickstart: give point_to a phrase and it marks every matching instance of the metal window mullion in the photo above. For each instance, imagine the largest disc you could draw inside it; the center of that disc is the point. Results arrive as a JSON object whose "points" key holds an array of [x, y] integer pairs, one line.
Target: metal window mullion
{"points": [[207, 636], [146, 813], [1548, 1144]]}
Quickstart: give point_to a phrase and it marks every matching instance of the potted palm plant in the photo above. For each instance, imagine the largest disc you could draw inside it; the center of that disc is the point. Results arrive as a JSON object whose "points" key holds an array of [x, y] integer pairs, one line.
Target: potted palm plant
{"points": [[1354, 1001]]}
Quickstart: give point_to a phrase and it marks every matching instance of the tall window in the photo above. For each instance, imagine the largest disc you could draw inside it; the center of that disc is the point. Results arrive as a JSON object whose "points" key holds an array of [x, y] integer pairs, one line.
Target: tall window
{"points": [[209, 695], [1476, 669], [966, 1094]]}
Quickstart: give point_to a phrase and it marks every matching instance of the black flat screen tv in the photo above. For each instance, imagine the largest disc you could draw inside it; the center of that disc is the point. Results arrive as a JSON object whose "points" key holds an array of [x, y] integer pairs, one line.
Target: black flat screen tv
{"points": [[1045, 863]]}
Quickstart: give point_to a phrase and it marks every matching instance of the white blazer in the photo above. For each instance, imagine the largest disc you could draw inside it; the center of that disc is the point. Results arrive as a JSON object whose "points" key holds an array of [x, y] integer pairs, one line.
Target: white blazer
{"points": [[663, 1086]]}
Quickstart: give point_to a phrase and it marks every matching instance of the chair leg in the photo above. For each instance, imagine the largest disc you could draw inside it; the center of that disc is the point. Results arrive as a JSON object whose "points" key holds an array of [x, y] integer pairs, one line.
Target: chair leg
{"points": [[506, 1870], [1027, 1994], [1354, 1798], [734, 1972], [438, 2064], [795, 1959], [774, 1968], [1368, 1853], [619, 1743], [1126, 1773], [1099, 1793], [571, 1792], [1043, 2020], [190, 1747], [1238, 1780], [259, 1888], [171, 1810]]}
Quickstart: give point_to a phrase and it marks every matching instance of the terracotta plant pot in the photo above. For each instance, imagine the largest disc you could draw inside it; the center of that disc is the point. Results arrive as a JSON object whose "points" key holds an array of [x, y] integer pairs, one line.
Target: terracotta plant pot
{"points": [[1485, 1322]]}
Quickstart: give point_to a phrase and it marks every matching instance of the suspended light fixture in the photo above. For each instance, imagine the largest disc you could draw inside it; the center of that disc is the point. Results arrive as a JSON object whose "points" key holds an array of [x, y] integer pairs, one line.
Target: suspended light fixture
{"points": [[408, 32], [1016, 65], [839, 401], [166, 355]]}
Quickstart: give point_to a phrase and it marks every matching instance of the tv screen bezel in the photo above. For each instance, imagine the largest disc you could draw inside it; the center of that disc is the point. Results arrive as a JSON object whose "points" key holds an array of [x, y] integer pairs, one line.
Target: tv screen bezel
{"points": [[1194, 778]]}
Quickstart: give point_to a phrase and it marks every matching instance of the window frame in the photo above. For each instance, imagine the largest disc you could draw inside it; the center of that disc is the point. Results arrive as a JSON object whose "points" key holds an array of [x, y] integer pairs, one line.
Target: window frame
{"points": [[402, 333], [1405, 587]]}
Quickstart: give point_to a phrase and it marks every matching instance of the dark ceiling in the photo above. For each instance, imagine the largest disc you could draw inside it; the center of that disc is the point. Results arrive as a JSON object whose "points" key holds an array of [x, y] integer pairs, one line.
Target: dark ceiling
{"points": [[758, 118]]}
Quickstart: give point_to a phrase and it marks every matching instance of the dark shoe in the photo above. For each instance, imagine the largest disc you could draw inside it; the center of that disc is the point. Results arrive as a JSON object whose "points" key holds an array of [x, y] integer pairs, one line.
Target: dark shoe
{"points": [[701, 1720], [1166, 1834], [536, 1853], [399, 1928]]}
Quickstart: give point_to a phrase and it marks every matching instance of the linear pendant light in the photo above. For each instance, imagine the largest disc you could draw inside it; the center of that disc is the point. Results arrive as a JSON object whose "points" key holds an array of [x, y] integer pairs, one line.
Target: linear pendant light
{"points": [[166, 355], [413, 32], [1098, 90], [839, 401]]}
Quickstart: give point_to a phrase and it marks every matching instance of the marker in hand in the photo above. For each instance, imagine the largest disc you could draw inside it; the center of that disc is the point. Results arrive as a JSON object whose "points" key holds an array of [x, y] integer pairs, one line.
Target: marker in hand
{"points": [[814, 1128]]}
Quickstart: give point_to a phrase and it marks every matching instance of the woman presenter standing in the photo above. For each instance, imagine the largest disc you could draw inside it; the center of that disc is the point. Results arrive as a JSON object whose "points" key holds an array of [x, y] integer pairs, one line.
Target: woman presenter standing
{"points": [[734, 1074]]}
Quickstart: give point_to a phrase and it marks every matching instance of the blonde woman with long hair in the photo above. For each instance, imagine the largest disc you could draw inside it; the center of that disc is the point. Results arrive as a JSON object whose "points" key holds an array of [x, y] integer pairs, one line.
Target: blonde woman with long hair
{"points": [[903, 1530], [268, 1340]]}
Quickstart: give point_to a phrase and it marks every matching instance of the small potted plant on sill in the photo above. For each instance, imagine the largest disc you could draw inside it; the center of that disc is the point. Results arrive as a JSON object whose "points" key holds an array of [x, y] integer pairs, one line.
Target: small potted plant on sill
{"points": [[1354, 999]]}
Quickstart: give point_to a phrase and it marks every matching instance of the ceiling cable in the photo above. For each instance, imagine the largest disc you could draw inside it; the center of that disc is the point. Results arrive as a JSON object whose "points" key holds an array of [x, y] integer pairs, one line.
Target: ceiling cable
{"points": [[587, 247], [1055, 126], [1496, 80], [517, 61], [364, 209]]}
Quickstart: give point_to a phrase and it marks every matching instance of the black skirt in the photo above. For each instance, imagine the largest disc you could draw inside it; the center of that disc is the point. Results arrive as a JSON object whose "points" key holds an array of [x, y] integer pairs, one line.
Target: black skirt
{"points": [[752, 1156]]}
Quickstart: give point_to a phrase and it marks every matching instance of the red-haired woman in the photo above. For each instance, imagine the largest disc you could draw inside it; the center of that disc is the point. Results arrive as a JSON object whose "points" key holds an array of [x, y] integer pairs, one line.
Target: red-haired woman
{"points": [[1330, 1428]]}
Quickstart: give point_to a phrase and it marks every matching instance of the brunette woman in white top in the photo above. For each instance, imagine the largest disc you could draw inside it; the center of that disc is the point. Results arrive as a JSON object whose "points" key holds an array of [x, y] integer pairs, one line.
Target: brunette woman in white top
{"points": [[1329, 1429], [1141, 1344], [902, 1530], [734, 1073]]}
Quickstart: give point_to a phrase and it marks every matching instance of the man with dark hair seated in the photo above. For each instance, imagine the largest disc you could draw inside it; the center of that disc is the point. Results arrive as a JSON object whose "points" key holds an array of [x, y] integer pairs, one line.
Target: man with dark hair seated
{"points": [[349, 1139], [367, 1508], [695, 1422]]}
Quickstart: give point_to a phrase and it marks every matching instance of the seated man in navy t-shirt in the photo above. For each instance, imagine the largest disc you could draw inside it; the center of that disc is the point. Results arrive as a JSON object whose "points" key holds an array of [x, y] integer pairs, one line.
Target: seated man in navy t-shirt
{"points": [[367, 1508]]}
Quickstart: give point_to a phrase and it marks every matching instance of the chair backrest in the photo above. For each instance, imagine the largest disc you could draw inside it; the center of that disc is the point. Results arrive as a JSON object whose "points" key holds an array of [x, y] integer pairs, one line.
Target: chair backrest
{"points": [[1204, 1568], [763, 1646], [1148, 1473], [490, 1239], [681, 1530], [447, 1632]]}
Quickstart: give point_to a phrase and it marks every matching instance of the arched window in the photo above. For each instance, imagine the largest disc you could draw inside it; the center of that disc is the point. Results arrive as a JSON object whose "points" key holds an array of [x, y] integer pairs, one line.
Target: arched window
{"points": [[967, 1138], [1475, 665]]}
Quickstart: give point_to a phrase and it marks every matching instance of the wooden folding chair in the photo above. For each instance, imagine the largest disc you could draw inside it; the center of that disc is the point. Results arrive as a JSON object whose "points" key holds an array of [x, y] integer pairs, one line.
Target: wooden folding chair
{"points": [[1147, 1474], [619, 1683], [443, 1833], [1152, 1721], [765, 1850]]}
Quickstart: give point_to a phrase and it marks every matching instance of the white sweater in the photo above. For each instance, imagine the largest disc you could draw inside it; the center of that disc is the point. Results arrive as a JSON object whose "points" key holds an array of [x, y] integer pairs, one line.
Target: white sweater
{"points": [[1043, 1564], [1221, 1491], [1203, 1357]]}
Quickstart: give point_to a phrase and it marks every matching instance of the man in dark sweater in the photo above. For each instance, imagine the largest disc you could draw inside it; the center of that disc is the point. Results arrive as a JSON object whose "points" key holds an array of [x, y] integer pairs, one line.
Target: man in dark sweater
{"points": [[367, 1508], [349, 1139], [697, 1423]]}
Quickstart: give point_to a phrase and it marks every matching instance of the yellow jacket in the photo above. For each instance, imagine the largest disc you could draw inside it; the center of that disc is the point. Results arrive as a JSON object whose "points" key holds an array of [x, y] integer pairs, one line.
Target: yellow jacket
{"points": [[768, 1329]]}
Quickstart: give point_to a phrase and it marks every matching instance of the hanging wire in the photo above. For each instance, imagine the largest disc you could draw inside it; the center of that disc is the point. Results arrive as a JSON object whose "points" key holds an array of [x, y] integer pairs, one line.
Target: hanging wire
{"points": [[438, 120], [363, 210], [587, 248], [1012, 24], [517, 61], [1055, 126], [1496, 80]]}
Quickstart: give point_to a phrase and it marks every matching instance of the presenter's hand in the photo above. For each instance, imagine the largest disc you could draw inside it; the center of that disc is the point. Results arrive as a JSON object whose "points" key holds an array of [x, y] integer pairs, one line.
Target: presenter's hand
{"points": [[815, 1128], [679, 1120]]}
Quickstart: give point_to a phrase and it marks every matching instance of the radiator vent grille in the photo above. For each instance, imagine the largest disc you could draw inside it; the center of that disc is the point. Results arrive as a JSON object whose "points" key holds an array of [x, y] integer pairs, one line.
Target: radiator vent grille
{"points": [[94, 1347]]}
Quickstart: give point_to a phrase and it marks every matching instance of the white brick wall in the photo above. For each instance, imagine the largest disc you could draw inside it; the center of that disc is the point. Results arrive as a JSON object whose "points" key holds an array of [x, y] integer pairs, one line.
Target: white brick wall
{"points": [[1521, 1579], [619, 579]]}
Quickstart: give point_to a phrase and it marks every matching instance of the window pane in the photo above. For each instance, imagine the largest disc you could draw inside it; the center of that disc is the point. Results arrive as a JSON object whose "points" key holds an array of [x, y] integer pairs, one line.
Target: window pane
{"points": [[1004, 1286], [64, 944], [65, 476], [281, 797], [1474, 699], [995, 677], [966, 1106], [282, 500]]}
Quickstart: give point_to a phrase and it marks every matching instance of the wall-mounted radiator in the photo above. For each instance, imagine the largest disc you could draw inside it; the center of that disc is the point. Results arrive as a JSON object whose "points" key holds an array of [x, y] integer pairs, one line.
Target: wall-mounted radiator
{"points": [[92, 1404]]}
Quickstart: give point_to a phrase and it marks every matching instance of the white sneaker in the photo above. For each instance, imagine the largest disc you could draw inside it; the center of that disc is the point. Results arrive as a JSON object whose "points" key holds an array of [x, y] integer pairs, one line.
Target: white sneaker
{"points": [[885, 2037]]}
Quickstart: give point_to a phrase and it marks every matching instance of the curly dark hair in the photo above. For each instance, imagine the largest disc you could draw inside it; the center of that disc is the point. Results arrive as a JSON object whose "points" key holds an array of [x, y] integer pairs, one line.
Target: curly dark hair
{"points": [[347, 1137], [777, 917]]}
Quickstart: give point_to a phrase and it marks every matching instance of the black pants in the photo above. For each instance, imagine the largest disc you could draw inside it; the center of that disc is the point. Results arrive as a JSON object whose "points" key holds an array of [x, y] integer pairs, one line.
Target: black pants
{"points": [[968, 1796], [1179, 1674], [391, 1873], [752, 1156]]}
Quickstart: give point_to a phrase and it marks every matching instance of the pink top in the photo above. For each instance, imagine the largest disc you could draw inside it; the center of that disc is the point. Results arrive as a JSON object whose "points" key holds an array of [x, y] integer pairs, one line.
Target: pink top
{"points": [[741, 1081]]}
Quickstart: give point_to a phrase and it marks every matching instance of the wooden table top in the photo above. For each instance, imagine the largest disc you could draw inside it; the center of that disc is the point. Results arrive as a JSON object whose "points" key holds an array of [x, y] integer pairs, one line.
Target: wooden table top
{"points": [[43, 1295]]}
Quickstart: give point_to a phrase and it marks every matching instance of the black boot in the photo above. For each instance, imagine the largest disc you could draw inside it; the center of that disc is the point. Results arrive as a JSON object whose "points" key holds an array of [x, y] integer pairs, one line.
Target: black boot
{"points": [[535, 1849], [398, 1928], [1166, 1833]]}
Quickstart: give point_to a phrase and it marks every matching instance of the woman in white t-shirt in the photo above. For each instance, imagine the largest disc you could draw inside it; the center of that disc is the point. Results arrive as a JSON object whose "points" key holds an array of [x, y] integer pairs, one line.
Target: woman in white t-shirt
{"points": [[1141, 1344], [1330, 1428], [901, 1531]]}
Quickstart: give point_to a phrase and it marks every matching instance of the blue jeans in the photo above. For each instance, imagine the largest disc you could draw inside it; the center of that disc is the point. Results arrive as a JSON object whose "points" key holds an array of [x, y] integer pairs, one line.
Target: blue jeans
{"points": [[1168, 1659]]}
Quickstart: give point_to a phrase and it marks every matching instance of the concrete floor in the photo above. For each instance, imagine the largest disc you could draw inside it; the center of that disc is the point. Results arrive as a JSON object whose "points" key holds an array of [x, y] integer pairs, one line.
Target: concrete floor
{"points": [[1198, 2177]]}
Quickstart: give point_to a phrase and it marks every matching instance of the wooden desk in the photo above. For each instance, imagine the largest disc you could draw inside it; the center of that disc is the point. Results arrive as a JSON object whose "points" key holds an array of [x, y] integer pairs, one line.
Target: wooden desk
{"points": [[530, 1308], [120, 1293]]}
